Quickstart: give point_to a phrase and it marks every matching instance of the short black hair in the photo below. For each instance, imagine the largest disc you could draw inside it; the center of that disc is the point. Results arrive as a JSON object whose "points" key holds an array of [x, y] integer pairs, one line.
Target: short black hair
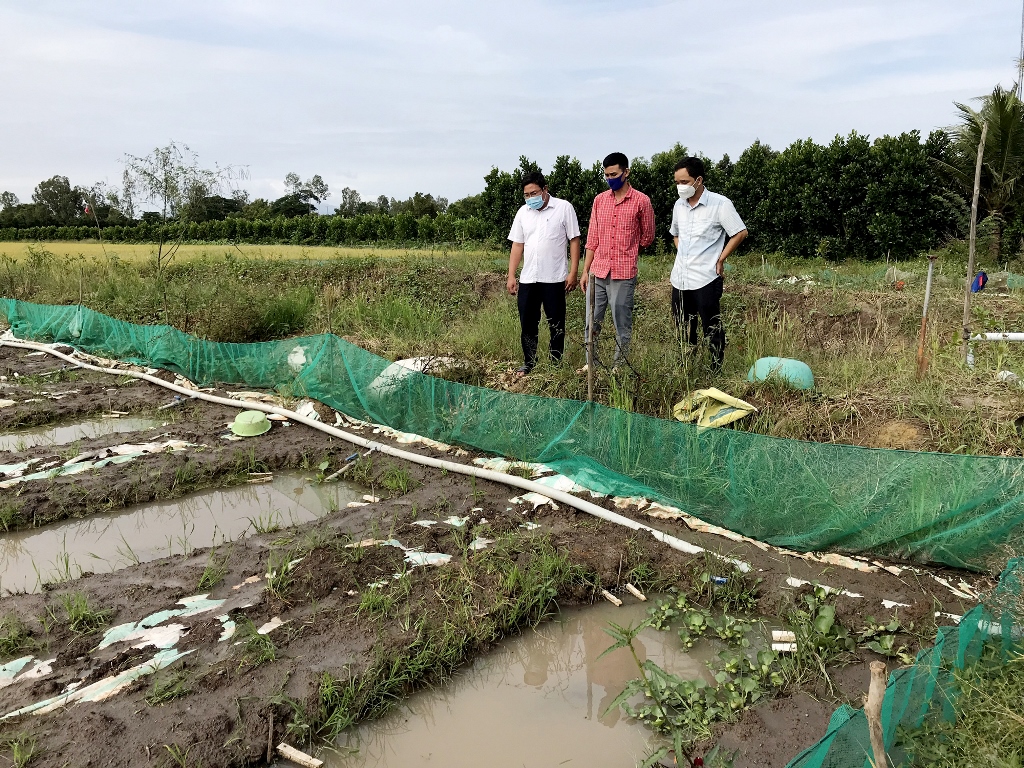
{"points": [[616, 158], [534, 177], [693, 165]]}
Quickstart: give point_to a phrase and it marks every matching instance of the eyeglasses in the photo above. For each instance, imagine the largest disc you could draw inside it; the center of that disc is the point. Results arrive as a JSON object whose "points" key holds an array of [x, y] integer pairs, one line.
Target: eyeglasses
{"points": [[528, 195]]}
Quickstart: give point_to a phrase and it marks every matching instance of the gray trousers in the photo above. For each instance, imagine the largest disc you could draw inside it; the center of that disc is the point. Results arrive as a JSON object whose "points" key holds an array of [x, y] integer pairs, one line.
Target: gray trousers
{"points": [[618, 294]]}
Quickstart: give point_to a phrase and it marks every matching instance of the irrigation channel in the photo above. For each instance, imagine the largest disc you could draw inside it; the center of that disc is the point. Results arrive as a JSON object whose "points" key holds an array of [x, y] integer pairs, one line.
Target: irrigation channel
{"points": [[107, 541], [534, 700]]}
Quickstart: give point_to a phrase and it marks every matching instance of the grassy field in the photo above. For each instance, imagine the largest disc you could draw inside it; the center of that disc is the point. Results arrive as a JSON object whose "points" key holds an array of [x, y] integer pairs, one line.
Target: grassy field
{"points": [[142, 252], [847, 321]]}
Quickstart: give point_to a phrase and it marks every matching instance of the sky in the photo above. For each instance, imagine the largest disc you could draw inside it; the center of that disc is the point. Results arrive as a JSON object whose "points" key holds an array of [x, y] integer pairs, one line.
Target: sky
{"points": [[411, 95]]}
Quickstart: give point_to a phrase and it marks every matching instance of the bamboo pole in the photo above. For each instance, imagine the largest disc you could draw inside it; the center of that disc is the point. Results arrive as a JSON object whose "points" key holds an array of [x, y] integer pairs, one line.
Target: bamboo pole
{"points": [[873, 712], [973, 238], [922, 361], [591, 302]]}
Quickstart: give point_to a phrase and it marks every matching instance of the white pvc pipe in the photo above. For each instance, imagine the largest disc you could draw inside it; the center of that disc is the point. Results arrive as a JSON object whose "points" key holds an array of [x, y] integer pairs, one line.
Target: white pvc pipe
{"points": [[998, 337], [451, 466]]}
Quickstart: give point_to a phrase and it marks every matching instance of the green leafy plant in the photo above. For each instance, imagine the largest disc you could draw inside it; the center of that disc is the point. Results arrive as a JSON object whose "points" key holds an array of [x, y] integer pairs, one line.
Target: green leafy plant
{"points": [[820, 639]]}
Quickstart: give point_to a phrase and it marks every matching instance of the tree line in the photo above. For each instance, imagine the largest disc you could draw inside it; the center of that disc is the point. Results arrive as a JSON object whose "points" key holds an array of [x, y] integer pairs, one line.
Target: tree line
{"points": [[853, 197]]}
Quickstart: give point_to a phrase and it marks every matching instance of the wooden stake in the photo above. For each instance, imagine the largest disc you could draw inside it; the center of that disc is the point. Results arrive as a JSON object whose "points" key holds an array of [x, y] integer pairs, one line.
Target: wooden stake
{"points": [[973, 238], [873, 712], [270, 739], [922, 361]]}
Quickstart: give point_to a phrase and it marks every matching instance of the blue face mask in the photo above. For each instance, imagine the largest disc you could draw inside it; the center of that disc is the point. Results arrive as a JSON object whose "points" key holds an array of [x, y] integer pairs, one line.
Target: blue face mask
{"points": [[616, 184], [536, 202]]}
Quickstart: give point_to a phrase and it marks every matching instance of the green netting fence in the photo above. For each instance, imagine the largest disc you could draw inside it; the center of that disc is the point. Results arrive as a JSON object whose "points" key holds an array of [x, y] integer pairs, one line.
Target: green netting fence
{"points": [[928, 687], [951, 509]]}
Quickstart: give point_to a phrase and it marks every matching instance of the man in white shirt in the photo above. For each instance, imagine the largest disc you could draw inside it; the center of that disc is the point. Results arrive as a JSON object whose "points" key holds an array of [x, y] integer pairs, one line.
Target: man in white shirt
{"points": [[540, 232], [705, 230]]}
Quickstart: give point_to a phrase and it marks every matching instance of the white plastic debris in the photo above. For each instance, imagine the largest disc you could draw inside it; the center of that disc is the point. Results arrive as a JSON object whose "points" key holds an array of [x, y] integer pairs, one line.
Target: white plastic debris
{"points": [[535, 499], [480, 543], [427, 558], [457, 522], [297, 358], [794, 582], [308, 409], [270, 626]]}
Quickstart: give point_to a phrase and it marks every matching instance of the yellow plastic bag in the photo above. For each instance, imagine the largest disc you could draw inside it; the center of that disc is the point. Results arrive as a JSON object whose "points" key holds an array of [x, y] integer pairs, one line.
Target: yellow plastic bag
{"points": [[711, 408]]}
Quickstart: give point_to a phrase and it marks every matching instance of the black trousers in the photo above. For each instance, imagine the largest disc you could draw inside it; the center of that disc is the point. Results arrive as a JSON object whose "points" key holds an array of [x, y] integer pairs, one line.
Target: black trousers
{"points": [[531, 297], [704, 305]]}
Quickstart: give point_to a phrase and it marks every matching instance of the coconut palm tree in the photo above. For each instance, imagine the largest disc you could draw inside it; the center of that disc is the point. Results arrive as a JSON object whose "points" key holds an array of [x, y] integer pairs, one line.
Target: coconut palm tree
{"points": [[1002, 173]]}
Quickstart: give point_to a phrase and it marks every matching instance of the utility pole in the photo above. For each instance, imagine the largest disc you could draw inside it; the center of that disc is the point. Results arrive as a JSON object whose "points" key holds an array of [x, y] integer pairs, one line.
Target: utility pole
{"points": [[1020, 60]]}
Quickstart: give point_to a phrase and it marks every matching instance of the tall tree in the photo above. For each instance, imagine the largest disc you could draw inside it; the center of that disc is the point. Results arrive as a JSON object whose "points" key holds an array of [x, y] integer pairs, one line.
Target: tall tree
{"points": [[62, 202], [1003, 156], [8, 200], [171, 179]]}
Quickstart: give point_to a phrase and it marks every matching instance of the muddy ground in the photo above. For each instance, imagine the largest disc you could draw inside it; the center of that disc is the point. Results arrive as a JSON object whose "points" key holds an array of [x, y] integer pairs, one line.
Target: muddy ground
{"points": [[222, 702]]}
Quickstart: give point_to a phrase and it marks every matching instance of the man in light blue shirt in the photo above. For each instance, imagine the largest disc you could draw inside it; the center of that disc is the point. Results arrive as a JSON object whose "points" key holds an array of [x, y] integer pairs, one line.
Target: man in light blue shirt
{"points": [[705, 230]]}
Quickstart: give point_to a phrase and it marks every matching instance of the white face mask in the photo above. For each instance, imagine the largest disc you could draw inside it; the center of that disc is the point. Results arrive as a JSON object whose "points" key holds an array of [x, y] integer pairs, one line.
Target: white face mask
{"points": [[686, 191]]}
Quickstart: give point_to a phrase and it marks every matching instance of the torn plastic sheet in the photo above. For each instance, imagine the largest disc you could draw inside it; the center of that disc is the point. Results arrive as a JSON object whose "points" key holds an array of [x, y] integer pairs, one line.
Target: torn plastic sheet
{"points": [[457, 522], [11, 669], [561, 483], [270, 626], [191, 606], [16, 470], [101, 689], [480, 543], [536, 499], [74, 467], [426, 558], [794, 582]]}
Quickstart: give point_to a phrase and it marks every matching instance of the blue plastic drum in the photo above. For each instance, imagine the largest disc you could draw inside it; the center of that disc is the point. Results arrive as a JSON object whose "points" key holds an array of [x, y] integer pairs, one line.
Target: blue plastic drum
{"points": [[795, 373]]}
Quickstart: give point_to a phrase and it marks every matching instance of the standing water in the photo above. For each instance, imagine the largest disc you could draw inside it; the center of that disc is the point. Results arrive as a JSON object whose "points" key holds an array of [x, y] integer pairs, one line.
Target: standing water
{"points": [[105, 542], [24, 439], [535, 700]]}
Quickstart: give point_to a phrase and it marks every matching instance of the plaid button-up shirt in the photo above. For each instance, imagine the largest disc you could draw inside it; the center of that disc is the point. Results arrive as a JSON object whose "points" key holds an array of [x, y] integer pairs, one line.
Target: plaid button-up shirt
{"points": [[618, 228]]}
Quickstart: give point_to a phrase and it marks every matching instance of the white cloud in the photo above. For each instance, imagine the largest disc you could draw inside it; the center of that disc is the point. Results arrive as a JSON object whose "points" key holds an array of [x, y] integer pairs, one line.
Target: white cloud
{"points": [[404, 96]]}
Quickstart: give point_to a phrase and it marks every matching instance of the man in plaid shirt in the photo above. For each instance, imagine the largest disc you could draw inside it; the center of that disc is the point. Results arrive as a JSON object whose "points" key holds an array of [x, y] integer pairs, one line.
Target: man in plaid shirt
{"points": [[621, 222]]}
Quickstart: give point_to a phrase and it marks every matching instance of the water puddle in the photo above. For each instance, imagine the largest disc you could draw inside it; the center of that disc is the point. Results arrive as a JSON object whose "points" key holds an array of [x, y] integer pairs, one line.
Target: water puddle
{"points": [[70, 433], [535, 700], [108, 541]]}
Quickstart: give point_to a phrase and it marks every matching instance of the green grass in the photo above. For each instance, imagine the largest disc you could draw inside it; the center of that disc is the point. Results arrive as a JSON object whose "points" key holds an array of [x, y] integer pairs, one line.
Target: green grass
{"points": [[257, 649], [76, 613], [214, 572], [22, 748], [14, 636], [988, 726], [856, 332], [396, 480], [168, 688]]}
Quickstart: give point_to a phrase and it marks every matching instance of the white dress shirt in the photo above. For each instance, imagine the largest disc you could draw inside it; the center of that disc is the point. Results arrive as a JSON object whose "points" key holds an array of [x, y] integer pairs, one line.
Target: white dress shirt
{"points": [[702, 230], [545, 234]]}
